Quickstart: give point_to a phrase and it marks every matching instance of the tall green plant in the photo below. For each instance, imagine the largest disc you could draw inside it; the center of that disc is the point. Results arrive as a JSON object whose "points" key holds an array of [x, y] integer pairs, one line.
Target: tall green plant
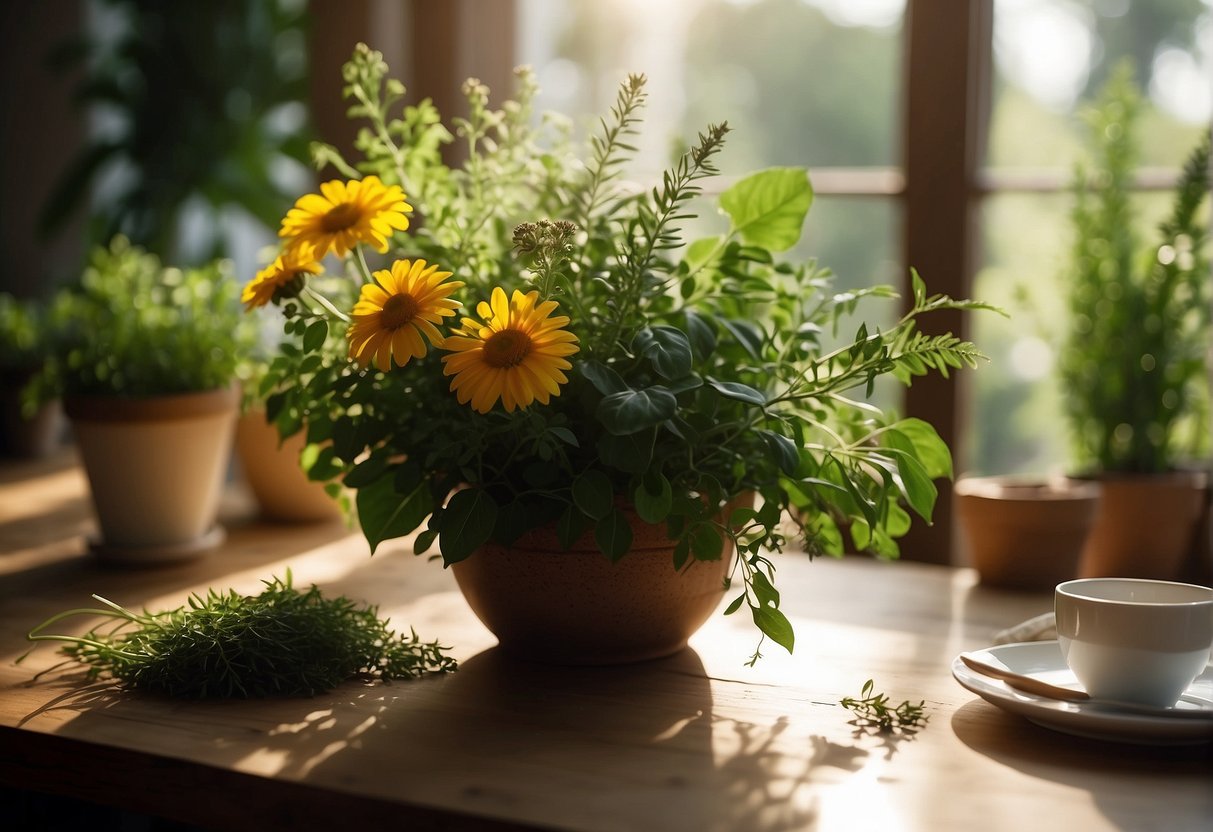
{"points": [[1133, 366]]}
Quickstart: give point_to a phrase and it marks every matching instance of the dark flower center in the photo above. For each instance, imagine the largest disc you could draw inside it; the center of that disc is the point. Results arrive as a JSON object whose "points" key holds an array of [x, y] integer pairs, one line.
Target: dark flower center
{"points": [[340, 217], [507, 349], [398, 311]]}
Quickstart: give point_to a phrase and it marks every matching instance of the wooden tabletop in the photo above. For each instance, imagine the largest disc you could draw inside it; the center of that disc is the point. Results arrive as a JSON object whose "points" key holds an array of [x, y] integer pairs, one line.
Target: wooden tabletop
{"points": [[695, 742]]}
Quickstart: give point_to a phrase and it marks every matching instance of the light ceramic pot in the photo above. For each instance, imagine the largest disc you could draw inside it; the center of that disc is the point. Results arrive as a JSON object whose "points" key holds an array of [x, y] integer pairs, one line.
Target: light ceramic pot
{"points": [[156, 468], [1025, 533], [579, 607], [1146, 526], [271, 469]]}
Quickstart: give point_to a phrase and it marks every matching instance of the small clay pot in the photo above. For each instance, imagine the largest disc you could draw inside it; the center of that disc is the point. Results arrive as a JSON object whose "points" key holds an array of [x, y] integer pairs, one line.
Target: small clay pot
{"points": [[271, 469], [1147, 525], [578, 607], [1025, 533], [156, 468]]}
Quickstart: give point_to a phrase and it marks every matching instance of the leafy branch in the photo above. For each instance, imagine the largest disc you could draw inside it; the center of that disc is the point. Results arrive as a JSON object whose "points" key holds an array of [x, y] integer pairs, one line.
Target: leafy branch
{"points": [[874, 709]]}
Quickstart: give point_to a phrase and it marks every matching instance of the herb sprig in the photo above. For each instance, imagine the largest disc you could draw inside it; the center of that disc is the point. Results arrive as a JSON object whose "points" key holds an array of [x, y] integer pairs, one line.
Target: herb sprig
{"points": [[282, 642], [873, 709]]}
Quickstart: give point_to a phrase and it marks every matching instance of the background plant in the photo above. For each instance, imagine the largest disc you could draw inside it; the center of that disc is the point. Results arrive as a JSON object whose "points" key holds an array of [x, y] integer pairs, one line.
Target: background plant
{"points": [[196, 101], [702, 375], [1134, 363], [22, 334], [135, 327]]}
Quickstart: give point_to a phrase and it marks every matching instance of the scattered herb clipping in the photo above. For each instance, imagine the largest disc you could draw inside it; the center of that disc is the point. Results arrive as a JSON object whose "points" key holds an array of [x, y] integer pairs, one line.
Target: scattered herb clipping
{"points": [[873, 709], [283, 642]]}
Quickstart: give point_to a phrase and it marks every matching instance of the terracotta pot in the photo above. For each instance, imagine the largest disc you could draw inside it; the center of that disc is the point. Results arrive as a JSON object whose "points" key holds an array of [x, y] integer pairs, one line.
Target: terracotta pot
{"points": [[1146, 525], [579, 607], [156, 468], [1025, 533], [271, 469]]}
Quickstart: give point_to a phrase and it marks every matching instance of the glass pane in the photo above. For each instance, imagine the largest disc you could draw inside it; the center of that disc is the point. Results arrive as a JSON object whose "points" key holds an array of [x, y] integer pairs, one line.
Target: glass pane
{"points": [[765, 66], [1051, 55], [1050, 58], [1016, 417]]}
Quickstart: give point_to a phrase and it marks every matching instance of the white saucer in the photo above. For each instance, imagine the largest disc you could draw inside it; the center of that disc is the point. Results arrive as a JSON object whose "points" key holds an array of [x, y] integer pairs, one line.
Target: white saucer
{"points": [[1043, 660]]}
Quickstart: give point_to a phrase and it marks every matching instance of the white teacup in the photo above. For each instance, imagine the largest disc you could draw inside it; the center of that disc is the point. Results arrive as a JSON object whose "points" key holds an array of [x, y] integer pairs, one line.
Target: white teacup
{"points": [[1134, 640]]}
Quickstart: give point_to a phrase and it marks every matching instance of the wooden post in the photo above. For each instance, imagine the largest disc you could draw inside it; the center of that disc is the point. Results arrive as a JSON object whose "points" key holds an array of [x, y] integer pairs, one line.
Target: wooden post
{"points": [[947, 59]]}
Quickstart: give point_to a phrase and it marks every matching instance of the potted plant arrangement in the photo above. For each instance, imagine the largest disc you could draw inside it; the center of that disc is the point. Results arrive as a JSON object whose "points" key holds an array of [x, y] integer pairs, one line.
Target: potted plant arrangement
{"points": [[1135, 361], [601, 425], [145, 358], [29, 430]]}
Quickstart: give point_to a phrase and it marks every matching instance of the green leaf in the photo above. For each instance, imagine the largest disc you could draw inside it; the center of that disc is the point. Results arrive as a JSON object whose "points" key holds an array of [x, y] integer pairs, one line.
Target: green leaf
{"points": [[917, 487], [738, 391], [593, 494], [768, 208], [384, 513], [748, 334], [613, 535], [764, 591], [784, 450], [653, 498], [564, 435], [667, 348], [698, 252], [315, 335], [570, 526], [632, 411], [366, 472], [931, 451], [775, 625], [605, 380], [467, 522], [701, 334], [735, 604], [706, 541]]}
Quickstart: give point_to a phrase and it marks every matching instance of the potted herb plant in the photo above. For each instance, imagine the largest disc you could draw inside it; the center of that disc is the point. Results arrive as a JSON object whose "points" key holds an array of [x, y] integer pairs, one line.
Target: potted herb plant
{"points": [[28, 431], [603, 426], [145, 357], [1134, 364]]}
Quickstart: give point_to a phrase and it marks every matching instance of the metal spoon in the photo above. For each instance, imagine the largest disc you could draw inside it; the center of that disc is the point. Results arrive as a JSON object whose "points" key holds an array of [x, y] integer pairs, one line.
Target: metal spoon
{"points": [[1030, 684]]}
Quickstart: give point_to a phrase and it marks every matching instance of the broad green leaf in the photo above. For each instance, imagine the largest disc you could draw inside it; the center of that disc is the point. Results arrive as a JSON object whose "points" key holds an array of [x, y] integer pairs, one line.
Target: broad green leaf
{"points": [[706, 541], [748, 334], [784, 450], [915, 484], [384, 513], [698, 252], [467, 522], [735, 604], [570, 526], [666, 348], [593, 494], [701, 334], [315, 335], [738, 391], [932, 451], [613, 535], [564, 435], [366, 472], [775, 625], [768, 208], [605, 380], [764, 591], [653, 498], [632, 411]]}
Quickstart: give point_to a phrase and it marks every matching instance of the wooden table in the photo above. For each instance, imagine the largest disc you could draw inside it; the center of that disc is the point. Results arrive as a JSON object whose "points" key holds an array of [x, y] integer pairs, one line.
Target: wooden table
{"points": [[694, 742]]}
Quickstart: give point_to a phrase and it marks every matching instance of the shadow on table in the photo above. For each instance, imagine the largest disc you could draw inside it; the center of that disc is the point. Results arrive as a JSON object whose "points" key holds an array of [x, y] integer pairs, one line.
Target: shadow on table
{"points": [[1094, 766], [535, 743]]}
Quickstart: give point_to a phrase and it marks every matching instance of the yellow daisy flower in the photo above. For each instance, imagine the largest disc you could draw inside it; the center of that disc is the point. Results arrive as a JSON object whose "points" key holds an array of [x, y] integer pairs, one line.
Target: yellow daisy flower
{"points": [[516, 355], [344, 214], [289, 269], [394, 312]]}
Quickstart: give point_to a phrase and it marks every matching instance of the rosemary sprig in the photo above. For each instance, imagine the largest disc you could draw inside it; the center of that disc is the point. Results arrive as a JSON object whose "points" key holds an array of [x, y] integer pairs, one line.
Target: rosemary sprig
{"points": [[283, 642], [873, 709]]}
